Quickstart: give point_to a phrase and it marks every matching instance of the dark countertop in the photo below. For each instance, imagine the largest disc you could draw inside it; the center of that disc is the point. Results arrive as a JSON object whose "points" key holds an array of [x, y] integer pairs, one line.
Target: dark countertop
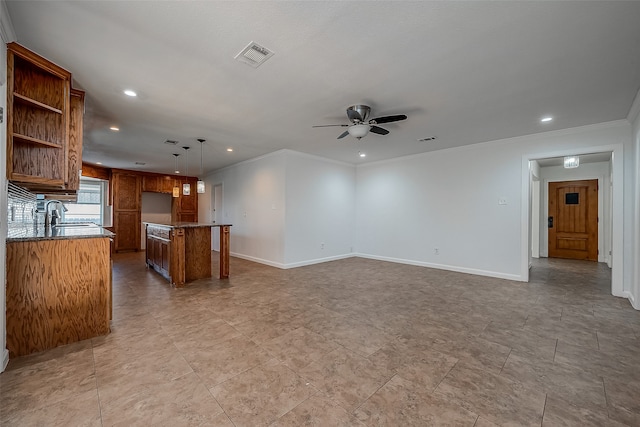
{"points": [[27, 232], [186, 224]]}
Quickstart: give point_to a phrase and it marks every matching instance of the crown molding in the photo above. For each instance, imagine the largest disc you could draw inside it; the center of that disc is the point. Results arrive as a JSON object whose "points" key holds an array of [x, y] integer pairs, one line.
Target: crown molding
{"points": [[7, 32], [634, 111]]}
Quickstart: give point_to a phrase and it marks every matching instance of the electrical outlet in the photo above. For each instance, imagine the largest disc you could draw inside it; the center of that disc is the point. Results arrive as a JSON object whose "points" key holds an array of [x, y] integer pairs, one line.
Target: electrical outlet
{"points": [[436, 251]]}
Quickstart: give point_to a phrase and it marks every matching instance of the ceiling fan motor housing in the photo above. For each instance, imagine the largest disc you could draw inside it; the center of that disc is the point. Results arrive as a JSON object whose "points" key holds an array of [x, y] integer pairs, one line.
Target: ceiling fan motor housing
{"points": [[358, 113]]}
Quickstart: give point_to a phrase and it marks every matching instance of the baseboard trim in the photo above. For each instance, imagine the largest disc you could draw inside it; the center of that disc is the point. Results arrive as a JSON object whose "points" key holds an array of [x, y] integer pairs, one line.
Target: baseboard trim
{"points": [[5, 360], [457, 269], [293, 264], [628, 295], [319, 260], [258, 260]]}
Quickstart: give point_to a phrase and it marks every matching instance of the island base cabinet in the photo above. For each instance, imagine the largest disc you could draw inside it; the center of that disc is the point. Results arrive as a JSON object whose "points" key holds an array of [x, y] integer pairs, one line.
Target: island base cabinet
{"points": [[58, 292]]}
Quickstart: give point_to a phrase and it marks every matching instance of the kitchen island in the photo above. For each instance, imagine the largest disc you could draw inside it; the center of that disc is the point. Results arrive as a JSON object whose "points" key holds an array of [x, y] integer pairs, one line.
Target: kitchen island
{"points": [[58, 286], [181, 251]]}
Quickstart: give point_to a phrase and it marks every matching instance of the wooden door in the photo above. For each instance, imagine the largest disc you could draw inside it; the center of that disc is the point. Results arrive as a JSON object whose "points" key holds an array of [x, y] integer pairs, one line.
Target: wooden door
{"points": [[573, 219]]}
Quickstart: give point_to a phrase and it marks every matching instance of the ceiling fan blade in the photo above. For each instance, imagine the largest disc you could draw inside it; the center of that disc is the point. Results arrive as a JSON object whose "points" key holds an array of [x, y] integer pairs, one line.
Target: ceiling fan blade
{"points": [[343, 134], [378, 130], [354, 115], [389, 119], [326, 126]]}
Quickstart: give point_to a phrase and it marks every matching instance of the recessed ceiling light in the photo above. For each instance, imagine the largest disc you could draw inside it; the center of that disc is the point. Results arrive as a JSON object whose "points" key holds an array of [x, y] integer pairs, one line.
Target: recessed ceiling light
{"points": [[98, 163], [114, 128], [129, 92], [362, 155], [546, 119], [229, 149]]}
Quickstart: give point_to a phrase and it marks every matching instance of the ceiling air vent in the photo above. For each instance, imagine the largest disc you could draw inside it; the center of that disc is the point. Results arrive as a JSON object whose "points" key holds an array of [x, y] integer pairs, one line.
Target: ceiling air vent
{"points": [[141, 163], [254, 54], [171, 142], [429, 138]]}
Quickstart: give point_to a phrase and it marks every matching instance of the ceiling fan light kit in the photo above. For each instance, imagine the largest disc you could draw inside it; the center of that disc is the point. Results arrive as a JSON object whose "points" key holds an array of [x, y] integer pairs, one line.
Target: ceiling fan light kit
{"points": [[361, 125]]}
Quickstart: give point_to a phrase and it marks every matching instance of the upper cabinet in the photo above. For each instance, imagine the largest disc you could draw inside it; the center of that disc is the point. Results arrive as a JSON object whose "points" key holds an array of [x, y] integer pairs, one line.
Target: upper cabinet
{"points": [[44, 122]]}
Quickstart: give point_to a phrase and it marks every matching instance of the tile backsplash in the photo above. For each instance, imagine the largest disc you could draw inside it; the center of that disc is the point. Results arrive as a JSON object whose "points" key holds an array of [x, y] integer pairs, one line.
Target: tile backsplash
{"points": [[21, 206]]}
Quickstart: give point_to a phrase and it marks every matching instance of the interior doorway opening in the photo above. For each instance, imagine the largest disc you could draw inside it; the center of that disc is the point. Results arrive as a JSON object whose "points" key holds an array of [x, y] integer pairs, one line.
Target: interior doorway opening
{"points": [[604, 165]]}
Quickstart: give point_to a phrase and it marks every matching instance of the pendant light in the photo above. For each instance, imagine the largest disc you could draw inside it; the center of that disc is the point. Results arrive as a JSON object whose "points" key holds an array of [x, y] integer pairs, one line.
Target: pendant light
{"points": [[200, 189], [176, 190], [186, 187]]}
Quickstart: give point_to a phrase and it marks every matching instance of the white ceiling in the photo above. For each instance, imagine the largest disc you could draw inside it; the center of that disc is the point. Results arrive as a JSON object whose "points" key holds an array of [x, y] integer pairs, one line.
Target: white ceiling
{"points": [[465, 72]]}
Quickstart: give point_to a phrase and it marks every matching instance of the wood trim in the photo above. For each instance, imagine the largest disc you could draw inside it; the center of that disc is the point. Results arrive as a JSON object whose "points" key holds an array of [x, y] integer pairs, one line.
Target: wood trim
{"points": [[38, 60], [93, 171]]}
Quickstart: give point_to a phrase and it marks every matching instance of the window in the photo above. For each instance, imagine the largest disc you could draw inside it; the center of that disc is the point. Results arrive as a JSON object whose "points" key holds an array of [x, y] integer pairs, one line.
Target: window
{"points": [[90, 204]]}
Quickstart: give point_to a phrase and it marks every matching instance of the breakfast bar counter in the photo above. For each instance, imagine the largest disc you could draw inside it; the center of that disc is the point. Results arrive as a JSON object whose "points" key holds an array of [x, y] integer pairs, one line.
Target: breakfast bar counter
{"points": [[181, 251]]}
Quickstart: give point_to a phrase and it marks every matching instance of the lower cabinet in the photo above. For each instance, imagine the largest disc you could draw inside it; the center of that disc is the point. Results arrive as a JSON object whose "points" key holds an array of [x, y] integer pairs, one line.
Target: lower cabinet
{"points": [[159, 250], [58, 291]]}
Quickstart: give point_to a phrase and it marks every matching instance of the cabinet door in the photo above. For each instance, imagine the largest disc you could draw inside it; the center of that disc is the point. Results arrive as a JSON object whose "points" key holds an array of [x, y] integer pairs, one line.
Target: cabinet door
{"points": [[127, 228], [150, 251], [164, 248], [167, 184], [157, 252], [150, 183], [74, 163], [126, 192]]}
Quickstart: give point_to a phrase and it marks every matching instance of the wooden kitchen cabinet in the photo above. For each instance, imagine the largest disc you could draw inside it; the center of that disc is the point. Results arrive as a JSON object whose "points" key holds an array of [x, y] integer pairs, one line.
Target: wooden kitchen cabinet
{"points": [[127, 202], [185, 208], [58, 291], [44, 123], [159, 249]]}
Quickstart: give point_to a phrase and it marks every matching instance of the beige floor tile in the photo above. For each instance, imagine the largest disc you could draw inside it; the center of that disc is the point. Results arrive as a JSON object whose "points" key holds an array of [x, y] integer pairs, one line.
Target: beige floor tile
{"points": [[419, 365], [493, 397], [179, 402], [345, 327], [261, 395], [219, 362], [623, 399], [558, 412], [346, 377], [318, 411], [121, 379], [298, 348], [403, 403], [575, 385], [79, 410]]}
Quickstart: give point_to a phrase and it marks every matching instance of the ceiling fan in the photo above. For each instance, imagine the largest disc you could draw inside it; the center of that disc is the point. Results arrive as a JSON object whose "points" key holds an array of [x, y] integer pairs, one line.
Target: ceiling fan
{"points": [[361, 125]]}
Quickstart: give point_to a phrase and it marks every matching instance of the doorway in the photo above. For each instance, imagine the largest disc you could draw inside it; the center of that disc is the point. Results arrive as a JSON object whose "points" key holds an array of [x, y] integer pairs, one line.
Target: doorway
{"points": [[573, 220]]}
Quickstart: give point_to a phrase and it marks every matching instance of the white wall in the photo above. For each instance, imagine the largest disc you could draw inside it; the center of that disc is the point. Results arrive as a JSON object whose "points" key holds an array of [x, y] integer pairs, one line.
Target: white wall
{"points": [[7, 35], [320, 209], [599, 171], [448, 199], [156, 207], [254, 203], [634, 117]]}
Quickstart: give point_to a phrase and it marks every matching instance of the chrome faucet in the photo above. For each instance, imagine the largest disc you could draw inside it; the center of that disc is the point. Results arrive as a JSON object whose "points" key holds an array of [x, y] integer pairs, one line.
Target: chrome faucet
{"points": [[53, 220]]}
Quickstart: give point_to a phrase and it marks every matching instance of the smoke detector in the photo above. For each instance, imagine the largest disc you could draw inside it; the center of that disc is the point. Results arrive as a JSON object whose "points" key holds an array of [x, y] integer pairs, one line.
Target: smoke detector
{"points": [[254, 54]]}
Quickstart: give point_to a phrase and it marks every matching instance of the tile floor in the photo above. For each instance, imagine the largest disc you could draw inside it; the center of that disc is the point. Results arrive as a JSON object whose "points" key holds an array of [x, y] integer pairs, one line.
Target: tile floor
{"points": [[354, 342]]}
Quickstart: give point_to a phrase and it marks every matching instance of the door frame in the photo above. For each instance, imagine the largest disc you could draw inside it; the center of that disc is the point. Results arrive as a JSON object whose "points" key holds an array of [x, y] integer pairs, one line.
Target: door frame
{"points": [[617, 211], [216, 214]]}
